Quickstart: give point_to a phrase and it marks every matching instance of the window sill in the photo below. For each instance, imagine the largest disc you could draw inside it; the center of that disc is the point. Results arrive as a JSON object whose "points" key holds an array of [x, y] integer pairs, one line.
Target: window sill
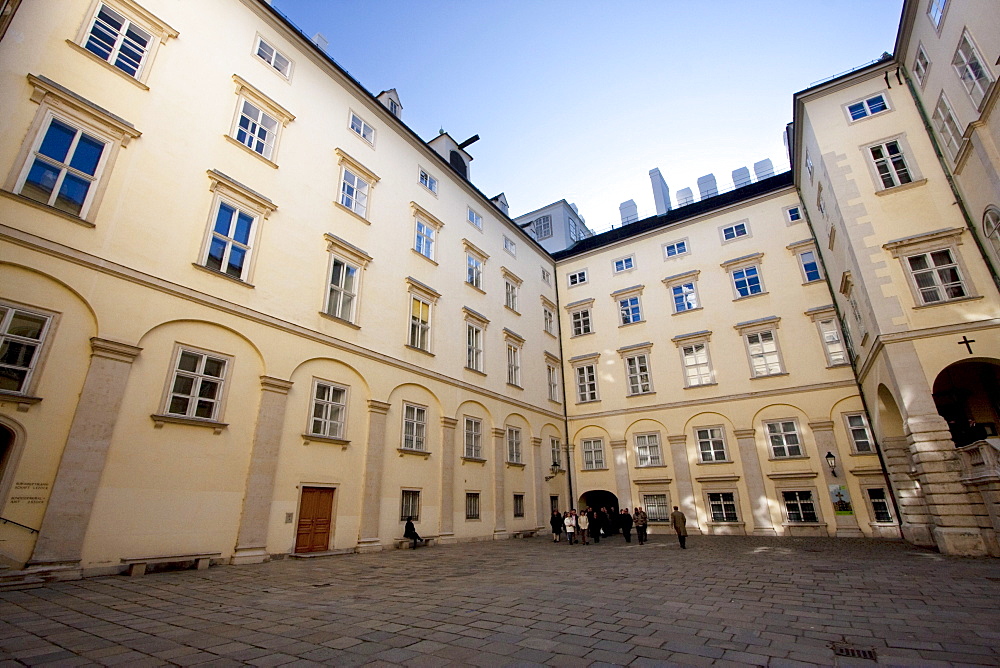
{"points": [[694, 387], [48, 209], [629, 324], [107, 65], [473, 460], [318, 438], [789, 523], [689, 310], [651, 393], [785, 459], [413, 453], [595, 469], [512, 310], [341, 321], [576, 336], [160, 420], [588, 401], [475, 371], [815, 280], [515, 386], [352, 212], [555, 401], [476, 288], [432, 192], [906, 186], [948, 302], [856, 453], [714, 461], [431, 260], [246, 148], [220, 274], [552, 334], [725, 524], [839, 365], [23, 401], [516, 465], [652, 466], [419, 350], [770, 375], [756, 294]]}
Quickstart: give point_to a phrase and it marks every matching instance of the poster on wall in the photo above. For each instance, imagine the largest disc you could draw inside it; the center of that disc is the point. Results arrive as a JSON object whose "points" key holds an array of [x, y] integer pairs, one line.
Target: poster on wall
{"points": [[841, 500]]}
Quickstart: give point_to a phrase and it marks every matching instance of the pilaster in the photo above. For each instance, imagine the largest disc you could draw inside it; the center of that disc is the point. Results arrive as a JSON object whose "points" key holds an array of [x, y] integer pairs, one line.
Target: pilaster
{"points": [[826, 442], [746, 441], [685, 486], [619, 460], [371, 505], [539, 486], [448, 434], [499, 494]]}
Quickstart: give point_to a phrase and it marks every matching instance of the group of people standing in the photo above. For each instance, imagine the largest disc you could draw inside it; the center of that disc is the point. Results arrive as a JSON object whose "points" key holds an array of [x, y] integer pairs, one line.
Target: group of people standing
{"points": [[591, 524]]}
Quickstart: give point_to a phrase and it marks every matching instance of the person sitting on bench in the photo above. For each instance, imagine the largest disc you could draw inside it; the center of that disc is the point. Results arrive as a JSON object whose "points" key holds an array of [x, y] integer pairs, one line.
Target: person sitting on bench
{"points": [[409, 531]]}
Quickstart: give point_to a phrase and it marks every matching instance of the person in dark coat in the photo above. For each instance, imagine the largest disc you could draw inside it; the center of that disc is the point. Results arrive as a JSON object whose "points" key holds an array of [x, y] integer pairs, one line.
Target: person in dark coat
{"points": [[625, 521], [641, 520], [679, 522], [595, 525], [556, 522], [410, 531]]}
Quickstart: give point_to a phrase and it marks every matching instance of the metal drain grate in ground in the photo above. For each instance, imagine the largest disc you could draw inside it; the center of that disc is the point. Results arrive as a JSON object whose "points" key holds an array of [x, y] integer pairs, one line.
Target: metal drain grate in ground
{"points": [[854, 652]]}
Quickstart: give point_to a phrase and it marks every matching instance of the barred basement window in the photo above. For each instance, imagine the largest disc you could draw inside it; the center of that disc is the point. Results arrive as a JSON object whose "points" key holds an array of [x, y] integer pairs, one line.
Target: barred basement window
{"points": [[723, 506], [472, 505], [519, 505]]}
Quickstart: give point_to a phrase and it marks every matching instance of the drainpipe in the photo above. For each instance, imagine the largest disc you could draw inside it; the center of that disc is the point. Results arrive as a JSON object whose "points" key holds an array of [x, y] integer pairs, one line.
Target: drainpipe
{"points": [[562, 370]]}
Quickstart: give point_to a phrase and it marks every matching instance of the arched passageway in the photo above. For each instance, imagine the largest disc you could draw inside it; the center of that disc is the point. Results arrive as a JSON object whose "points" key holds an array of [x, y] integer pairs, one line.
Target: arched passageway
{"points": [[967, 396]]}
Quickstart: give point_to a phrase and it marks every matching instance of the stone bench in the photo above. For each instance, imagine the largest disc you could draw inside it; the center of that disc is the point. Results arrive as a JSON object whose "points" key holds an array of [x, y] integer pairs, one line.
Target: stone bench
{"points": [[404, 543], [524, 533], [137, 565]]}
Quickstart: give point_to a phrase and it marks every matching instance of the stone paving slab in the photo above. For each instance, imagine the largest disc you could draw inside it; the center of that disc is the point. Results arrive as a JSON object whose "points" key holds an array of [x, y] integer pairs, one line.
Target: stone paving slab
{"points": [[725, 601]]}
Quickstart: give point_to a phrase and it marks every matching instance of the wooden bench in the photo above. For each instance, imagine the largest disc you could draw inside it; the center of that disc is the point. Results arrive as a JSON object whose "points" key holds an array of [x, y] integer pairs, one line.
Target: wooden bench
{"points": [[137, 565], [404, 543]]}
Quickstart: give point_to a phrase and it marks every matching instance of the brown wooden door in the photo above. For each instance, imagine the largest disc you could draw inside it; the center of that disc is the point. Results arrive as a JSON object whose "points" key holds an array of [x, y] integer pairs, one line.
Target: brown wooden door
{"points": [[315, 515]]}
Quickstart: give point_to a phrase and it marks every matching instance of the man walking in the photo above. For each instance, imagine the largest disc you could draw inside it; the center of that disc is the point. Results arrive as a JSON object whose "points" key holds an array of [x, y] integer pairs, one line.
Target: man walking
{"points": [[641, 520], [679, 522]]}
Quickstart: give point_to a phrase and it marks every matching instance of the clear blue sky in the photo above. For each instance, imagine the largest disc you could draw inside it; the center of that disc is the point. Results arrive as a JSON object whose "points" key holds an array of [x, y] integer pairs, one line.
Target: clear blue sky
{"points": [[579, 99]]}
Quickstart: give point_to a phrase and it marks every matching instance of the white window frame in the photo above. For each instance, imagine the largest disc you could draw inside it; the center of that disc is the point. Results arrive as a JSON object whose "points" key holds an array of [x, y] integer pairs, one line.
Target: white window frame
{"points": [[361, 128], [638, 374], [542, 227], [859, 433], [424, 238], [475, 265], [868, 106], [711, 441], [198, 378], [593, 454], [354, 259], [265, 148], [889, 165], [546, 276], [657, 507], [409, 505], [513, 438], [784, 439], [585, 377], [735, 231], [746, 271], [647, 450], [629, 305], [135, 15], [793, 214], [623, 264], [425, 179], [473, 437], [10, 340], [510, 294], [514, 361], [419, 330], [802, 496], [697, 372], [971, 70], [576, 278], [991, 229], [474, 218], [921, 65], [518, 505], [356, 186], [474, 346], [764, 360], [677, 248], [728, 509], [510, 246], [414, 428], [947, 126], [549, 318], [276, 60], [802, 249], [241, 200], [555, 452], [937, 278], [884, 502], [936, 10], [552, 378], [830, 336], [581, 321], [323, 420], [683, 292]]}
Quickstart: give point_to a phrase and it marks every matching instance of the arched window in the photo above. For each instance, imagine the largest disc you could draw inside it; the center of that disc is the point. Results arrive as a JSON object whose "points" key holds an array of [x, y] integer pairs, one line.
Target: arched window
{"points": [[991, 228]]}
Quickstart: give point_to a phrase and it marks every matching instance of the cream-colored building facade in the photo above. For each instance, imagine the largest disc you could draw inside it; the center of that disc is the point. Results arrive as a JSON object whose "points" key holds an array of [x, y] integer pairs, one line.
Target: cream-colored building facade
{"points": [[250, 314]]}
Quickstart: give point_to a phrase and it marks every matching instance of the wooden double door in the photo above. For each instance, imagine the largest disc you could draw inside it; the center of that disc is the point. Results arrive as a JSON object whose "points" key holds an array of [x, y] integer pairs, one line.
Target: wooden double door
{"points": [[315, 526]]}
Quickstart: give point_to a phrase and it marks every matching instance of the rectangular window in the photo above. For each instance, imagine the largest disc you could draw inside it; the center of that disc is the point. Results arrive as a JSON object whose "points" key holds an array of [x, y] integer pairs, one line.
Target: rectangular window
{"points": [[510, 295], [921, 63], [586, 383], [647, 450], [574, 232], [889, 164], [793, 214], [475, 219], [22, 334], [859, 324], [329, 410], [629, 310], [424, 239], [114, 38], [833, 344], [722, 506], [354, 193], [577, 278], [555, 451], [542, 227], [409, 506], [510, 246], [420, 323], [657, 509], [799, 507], [880, 504], [343, 290], [735, 231], [473, 438], [697, 367], [870, 107], [764, 357], [513, 364], [65, 167], [362, 129], [970, 70], [474, 346], [474, 271], [580, 321], [637, 374], [546, 276], [513, 445], [810, 266], [552, 375], [230, 245], [196, 386], [685, 297], [624, 264], [548, 320], [675, 248], [428, 181], [593, 454], [255, 129], [414, 427], [947, 126], [747, 281], [784, 439], [712, 444], [936, 276], [935, 11], [519, 505], [861, 437], [280, 62], [472, 505]]}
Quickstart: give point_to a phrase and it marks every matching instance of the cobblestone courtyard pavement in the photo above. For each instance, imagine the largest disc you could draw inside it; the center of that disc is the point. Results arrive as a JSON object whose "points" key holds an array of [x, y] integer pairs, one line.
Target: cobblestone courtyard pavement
{"points": [[723, 601]]}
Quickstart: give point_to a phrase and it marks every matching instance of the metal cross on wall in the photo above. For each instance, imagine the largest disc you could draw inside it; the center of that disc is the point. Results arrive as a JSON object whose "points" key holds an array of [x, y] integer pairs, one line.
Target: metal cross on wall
{"points": [[967, 342]]}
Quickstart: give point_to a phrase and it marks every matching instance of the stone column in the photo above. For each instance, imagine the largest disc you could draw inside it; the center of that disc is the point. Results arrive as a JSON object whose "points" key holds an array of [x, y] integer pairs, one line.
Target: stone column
{"points": [[847, 525], [251, 542], [915, 521], [499, 494], [67, 516], [619, 461], [447, 532], [371, 508], [684, 485], [539, 486], [750, 459]]}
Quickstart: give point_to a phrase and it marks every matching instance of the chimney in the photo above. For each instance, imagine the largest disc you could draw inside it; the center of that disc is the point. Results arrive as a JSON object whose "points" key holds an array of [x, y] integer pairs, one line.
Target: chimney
{"points": [[629, 212], [685, 197], [661, 194], [763, 169], [741, 177], [707, 187], [320, 40]]}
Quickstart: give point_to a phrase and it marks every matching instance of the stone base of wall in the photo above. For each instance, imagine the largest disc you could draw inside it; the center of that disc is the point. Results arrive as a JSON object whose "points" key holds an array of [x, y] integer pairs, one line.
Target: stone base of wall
{"points": [[965, 542]]}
